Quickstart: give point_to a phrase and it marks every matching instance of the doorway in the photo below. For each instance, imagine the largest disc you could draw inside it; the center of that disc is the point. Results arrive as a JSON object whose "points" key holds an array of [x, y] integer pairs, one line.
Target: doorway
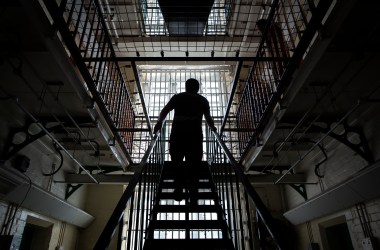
{"points": [[335, 234], [36, 235]]}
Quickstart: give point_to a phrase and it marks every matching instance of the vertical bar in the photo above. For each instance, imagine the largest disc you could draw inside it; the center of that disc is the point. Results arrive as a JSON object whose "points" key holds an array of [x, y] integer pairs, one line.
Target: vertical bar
{"points": [[87, 49], [86, 21], [71, 13], [249, 220], [78, 21], [239, 211], [294, 18], [232, 93], [150, 183], [142, 98], [119, 103], [143, 204], [138, 203], [97, 65], [251, 107], [232, 208], [120, 234], [130, 222], [304, 18], [285, 14], [117, 81]]}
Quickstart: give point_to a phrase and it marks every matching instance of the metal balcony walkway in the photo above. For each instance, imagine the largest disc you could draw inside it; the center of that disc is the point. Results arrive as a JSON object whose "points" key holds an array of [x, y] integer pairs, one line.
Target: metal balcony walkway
{"points": [[195, 222]]}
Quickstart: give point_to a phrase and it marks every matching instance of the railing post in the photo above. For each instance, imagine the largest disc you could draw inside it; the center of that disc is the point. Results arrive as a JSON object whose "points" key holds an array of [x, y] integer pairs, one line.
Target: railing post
{"points": [[260, 206], [117, 215]]}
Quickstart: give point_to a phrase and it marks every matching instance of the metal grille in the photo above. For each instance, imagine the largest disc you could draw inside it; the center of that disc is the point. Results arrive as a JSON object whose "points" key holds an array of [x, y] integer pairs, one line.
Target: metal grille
{"points": [[154, 24], [153, 20], [88, 31], [139, 29], [281, 34], [160, 84]]}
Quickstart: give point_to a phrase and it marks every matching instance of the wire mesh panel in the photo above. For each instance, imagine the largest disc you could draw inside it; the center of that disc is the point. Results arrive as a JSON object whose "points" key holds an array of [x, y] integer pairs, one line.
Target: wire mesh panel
{"points": [[231, 196], [139, 207], [250, 222], [282, 30], [152, 17], [143, 29], [88, 23]]}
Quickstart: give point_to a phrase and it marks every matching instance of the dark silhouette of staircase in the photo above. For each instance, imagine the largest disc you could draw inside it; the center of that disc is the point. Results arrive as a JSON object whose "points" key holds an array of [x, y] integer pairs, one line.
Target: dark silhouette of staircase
{"points": [[196, 223]]}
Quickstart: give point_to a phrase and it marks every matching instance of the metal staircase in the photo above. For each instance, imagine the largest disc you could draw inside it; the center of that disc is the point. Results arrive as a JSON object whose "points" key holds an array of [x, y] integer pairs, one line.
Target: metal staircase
{"points": [[142, 211], [195, 222]]}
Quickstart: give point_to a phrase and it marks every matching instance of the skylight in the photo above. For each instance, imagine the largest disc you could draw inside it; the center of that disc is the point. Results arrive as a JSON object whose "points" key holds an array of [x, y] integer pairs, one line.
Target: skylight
{"points": [[217, 21], [154, 23]]}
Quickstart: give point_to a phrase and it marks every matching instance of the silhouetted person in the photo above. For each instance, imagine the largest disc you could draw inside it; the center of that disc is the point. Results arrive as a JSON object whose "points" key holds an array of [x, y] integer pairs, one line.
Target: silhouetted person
{"points": [[186, 136]]}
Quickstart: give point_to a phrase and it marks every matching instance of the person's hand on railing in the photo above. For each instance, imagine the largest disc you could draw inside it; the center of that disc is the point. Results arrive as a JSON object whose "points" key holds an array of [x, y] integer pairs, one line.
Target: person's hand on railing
{"points": [[214, 129], [157, 127]]}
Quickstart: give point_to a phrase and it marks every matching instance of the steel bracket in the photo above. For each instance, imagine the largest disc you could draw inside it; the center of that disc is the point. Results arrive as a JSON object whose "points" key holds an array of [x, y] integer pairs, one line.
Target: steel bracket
{"points": [[26, 137], [360, 147]]}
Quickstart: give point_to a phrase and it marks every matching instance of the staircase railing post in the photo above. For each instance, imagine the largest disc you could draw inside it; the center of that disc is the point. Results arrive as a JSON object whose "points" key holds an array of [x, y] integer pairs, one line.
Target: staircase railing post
{"points": [[263, 212], [117, 215]]}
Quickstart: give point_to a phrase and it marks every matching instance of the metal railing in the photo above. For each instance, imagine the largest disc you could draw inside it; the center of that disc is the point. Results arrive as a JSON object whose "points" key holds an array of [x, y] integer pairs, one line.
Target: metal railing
{"points": [[84, 31], [287, 34], [246, 215], [137, 201], [251, 224]]}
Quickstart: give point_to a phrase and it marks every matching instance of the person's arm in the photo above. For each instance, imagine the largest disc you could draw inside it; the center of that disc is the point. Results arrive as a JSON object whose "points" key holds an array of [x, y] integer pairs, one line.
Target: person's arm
{"points": [[210, 122], [209, 119], [164, 112]]}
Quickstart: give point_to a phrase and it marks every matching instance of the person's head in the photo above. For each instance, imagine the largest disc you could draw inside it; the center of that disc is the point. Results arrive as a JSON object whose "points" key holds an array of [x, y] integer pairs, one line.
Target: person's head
{"points": [[192, 85], [261, 24]]}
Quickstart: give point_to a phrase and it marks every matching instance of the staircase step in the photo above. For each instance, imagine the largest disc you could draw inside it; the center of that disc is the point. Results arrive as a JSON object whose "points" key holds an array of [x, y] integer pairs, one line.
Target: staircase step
{"points": [[199, 185], [187, 224], [203, 170], [185, 208], [172, 175], [170, 165], [182, 244], [199, 196], [193, 222]]}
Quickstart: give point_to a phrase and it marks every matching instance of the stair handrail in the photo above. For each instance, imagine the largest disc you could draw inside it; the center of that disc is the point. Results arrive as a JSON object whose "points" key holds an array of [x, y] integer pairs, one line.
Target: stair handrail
{"points": [[109, 229], [260, 206]]}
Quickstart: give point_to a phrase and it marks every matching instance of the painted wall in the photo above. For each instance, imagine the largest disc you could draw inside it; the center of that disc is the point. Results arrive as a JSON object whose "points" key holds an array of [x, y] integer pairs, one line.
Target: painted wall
{"points": [[100, 202], [41, 159]]}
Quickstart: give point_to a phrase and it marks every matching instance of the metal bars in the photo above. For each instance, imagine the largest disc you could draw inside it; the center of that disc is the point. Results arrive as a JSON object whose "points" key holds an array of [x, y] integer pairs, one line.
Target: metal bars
{"points": [[90, 26], [282, 31], [137, 201], [153, 19], [229, 193], [154, 24], [138, 29], [239, 199], [160, 84]]}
